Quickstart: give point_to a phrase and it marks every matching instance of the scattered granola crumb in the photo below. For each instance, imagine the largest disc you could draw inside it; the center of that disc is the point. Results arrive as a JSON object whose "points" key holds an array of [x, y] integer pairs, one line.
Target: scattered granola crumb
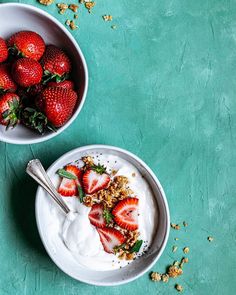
{"points": [[107, 18], [113, 172], [46, 2], [179, 288], [176, 239], [73, 26], [73, 7], [81, 1], [165, 278], [76, 16], [186, 250], [176, 263], [62, 7], [89, 5], [210, 239], [185, 224], [133, 174], [67, 22], [184, 260], [114, 27], [174, 248], [174, 271], [175, 226], [155, 276]]}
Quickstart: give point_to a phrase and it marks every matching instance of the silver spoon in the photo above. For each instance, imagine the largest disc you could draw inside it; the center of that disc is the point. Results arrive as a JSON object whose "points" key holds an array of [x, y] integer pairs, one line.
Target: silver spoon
{"points": [[36, 171]]}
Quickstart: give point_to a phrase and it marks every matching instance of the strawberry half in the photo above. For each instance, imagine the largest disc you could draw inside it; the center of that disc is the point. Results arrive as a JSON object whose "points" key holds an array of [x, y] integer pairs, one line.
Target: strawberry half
{"points": [[68, 84], [69, 187], [95, 179], [9, 109], [110, 238], [27, 44], [96, 216], [56, 64], [27, 72], [126, 213], [57, 104], [6, 81], [3, 50], [76, 172]]}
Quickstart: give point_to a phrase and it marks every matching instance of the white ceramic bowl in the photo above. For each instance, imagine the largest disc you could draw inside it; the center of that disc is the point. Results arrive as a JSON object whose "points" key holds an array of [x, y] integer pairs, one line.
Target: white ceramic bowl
{"points": [[16, 17], [57, 249]]}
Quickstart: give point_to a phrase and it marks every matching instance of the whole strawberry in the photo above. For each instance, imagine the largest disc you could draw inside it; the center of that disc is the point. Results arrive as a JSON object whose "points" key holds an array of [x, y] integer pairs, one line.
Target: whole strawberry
{"points": [[3, 50], [57, 104], [56, 64], [7, 84], [9, 109], [27, 72], [27, 44], [64, 84]]}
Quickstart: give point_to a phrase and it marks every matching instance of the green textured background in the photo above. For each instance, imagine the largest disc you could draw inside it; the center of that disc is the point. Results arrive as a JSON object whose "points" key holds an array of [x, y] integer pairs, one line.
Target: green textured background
{"points": [[162, 86]]}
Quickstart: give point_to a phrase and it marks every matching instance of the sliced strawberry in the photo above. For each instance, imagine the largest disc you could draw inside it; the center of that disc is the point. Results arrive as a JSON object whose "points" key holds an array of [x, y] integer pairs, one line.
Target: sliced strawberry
{"points": [[95, 179], [96, 216], [110, 238], [75, 171], [69, 187], [126, 213]]}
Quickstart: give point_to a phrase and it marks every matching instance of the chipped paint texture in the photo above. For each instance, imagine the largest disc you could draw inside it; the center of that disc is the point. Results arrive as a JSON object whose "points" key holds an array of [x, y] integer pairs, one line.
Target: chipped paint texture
{"points": [[163, 86]]}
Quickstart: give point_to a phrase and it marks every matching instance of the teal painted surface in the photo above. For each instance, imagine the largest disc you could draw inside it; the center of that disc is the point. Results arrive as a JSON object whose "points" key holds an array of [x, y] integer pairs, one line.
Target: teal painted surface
{"points": [[162, 86]]}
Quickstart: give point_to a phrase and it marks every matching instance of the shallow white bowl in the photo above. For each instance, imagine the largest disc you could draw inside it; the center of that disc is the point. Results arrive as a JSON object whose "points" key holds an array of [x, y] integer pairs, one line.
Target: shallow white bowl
{"points": [[58, 251], [16, 17]]}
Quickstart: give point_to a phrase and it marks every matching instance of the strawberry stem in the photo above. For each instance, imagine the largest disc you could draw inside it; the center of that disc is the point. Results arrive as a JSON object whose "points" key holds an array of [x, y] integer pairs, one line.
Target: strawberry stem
{"points": [[100, 169]]}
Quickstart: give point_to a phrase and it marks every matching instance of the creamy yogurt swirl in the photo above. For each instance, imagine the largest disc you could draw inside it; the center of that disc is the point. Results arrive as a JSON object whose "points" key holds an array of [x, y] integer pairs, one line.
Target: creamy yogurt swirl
{"points": [[81, 237]]}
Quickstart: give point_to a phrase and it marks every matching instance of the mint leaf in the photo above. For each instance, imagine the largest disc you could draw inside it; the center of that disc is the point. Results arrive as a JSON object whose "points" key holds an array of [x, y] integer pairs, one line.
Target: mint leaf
{"points": [[117, 248], [108, 216], [81, 194], [66, 174], [136, 247]]}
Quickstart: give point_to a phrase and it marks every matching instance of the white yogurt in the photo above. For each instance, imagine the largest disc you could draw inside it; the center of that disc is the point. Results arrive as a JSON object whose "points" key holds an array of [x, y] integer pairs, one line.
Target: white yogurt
{"points": [[82, 239]]}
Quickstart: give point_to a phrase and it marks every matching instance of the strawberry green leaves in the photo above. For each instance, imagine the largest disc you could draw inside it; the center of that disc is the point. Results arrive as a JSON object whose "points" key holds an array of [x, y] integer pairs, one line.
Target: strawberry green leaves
{"points": [[66, 174], [136, 246]]}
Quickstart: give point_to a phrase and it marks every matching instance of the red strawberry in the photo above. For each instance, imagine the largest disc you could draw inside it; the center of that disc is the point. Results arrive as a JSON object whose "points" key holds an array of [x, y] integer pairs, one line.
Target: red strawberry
{"points": [[57, 104], [64, 84], [27, 44], [96, 215], [110, 238], [3, 50], [126, 213], [6, 81], [95, 179], [9, 109], [68, 187], [75, 171], [55, 63], [27, 72]]}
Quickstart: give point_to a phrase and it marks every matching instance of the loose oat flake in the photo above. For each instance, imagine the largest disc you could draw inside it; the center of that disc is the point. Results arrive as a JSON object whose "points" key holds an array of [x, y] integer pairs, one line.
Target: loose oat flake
{"points": [[107, 18], [165, 278], [46, 2], [155, 276], [89, 5], [186, 250], [179, 288], [174, 248]]}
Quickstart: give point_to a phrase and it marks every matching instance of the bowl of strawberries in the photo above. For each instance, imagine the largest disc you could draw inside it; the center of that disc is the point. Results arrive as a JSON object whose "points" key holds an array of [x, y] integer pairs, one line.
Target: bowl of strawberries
{"points": [[43, 75]]}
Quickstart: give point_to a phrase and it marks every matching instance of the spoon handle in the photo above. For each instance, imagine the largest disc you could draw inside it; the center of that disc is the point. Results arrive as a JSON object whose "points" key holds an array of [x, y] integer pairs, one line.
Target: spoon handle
{"points": [[36, 171]]}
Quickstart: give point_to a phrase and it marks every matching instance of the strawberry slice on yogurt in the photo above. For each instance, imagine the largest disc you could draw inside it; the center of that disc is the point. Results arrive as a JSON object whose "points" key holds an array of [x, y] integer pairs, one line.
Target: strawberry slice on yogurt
{"points": [[126, 213], [110, 238], [70, 182]]}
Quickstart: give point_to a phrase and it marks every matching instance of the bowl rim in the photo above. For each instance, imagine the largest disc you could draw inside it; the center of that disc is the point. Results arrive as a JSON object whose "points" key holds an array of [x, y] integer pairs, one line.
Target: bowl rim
{"points": [[162, 193], [43, 138]]}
